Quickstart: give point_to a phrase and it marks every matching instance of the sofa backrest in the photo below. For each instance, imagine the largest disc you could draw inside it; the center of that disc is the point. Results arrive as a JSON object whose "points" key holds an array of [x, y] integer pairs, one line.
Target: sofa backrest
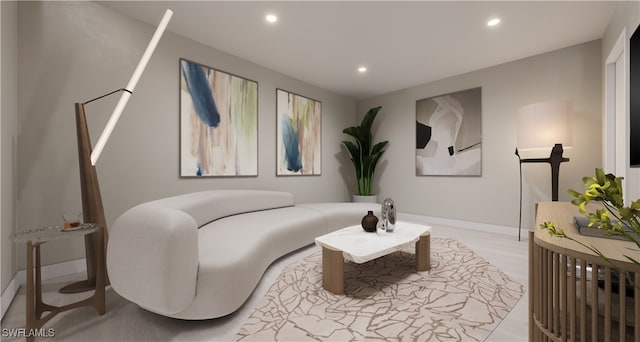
{"points": [[208, 206]]}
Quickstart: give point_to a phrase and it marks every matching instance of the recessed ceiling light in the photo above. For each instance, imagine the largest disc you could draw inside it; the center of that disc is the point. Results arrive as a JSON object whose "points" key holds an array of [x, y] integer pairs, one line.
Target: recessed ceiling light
{"points": [[362, 69], [493, 22], [271, 18]]}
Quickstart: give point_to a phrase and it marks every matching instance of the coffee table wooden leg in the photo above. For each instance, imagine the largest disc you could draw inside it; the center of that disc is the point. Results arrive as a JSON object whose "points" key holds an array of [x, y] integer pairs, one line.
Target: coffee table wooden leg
{"points": [[423, 253], [332, 270]]}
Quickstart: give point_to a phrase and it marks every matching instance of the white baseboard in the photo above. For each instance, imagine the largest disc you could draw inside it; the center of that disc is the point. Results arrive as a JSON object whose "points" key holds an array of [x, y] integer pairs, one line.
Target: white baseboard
{"points": [[485, 227], [48, 272], [60, 270]]}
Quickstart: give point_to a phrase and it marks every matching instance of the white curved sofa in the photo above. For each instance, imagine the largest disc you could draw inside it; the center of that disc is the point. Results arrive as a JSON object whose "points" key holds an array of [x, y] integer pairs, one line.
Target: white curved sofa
{"points": [[200, 255]]}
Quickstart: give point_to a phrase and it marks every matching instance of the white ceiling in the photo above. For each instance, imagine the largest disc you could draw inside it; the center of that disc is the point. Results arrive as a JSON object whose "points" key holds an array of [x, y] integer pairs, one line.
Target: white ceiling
{"points": [[402, 43]]}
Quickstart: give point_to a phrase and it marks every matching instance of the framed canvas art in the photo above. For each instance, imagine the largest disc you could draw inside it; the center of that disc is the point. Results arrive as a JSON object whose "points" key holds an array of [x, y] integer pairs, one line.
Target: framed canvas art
{"points": [[218, 122], [449, 134], [299, 145]]}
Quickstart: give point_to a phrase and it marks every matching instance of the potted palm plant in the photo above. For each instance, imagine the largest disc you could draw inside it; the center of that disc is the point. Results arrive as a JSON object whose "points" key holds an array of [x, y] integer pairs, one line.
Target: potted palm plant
{"points": [[364, 155]]}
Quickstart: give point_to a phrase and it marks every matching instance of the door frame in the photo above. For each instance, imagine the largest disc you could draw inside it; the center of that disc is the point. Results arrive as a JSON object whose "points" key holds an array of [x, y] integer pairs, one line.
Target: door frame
{"points": [[612, 142]]}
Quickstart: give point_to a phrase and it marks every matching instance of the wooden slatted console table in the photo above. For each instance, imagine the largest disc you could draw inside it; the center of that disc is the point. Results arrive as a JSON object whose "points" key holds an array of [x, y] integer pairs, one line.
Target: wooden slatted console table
{"points": [[573, 293]]}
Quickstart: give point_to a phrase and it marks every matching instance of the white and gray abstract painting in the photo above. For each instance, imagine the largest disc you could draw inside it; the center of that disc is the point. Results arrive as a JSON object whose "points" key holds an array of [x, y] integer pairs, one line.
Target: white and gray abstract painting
{"points": [[449, 134]]}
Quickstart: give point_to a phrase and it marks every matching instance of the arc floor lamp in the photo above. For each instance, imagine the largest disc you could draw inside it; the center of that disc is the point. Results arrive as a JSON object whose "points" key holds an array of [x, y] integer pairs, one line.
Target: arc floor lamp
{"points": [[92, 209], [542, 126]]}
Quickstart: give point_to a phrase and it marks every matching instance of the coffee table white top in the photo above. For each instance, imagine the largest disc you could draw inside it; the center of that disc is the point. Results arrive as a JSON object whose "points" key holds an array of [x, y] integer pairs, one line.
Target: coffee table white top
{"points": [[359, 246]]}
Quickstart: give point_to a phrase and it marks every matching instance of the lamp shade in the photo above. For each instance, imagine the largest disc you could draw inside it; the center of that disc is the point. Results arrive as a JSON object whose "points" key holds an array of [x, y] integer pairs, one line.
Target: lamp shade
{"points": [[542, 125]]}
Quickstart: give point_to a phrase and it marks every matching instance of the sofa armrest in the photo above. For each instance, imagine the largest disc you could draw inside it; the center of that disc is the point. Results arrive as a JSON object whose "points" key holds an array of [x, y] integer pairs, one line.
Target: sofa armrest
{"points": [[152, 257]]}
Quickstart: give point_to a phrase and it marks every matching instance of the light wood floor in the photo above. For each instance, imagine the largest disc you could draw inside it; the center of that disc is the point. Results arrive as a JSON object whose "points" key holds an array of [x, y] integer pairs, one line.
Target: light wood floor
{"points": [[125, 321]]}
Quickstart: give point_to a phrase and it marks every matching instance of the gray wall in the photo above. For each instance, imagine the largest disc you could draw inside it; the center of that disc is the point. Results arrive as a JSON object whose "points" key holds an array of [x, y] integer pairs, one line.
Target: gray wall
{"points": [[626, 16], [572, 73], [74, 51], [8, 108]]}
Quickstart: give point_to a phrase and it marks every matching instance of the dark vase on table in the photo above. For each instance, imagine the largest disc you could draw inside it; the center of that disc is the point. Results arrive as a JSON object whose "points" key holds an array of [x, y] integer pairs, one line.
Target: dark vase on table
{"points": [[369, 222]]}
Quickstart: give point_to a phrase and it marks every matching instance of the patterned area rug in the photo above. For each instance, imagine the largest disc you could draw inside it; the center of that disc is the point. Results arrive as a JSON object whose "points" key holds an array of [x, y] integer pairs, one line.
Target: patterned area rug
{"points": [[462, 298]]}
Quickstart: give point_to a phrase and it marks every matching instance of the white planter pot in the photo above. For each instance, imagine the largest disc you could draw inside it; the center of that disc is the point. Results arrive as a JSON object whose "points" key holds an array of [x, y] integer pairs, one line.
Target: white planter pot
{"points": [[365, 199]]}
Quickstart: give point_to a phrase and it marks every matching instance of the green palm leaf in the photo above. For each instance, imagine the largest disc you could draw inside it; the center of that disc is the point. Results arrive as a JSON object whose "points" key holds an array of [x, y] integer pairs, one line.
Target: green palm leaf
{"points": [[363, 156]]}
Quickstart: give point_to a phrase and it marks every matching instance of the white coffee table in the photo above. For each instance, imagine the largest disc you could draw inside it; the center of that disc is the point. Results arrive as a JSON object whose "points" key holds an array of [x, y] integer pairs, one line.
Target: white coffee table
{"points": [[356, 245]]}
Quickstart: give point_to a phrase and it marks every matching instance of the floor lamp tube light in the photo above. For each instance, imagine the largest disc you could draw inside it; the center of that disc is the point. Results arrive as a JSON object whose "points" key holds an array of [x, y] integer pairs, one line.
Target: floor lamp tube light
{"points": [[542, 126], [95, 154], [92, 208]]}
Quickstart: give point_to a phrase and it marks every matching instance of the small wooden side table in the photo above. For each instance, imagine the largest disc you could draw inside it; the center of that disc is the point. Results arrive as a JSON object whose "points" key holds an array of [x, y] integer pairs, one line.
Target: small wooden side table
{"points": [[36, 308]]}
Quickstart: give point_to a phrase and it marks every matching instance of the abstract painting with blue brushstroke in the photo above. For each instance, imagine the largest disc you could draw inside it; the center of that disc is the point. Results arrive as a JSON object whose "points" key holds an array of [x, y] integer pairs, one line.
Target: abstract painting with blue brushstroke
{"points": [[299, 145], [195, 78], [291, 141], [218, 123]]}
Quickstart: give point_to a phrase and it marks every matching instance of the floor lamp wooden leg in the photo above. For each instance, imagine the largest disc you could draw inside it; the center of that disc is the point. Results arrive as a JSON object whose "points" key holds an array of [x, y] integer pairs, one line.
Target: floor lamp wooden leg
{"points": [[93, 247], [92, 208]]}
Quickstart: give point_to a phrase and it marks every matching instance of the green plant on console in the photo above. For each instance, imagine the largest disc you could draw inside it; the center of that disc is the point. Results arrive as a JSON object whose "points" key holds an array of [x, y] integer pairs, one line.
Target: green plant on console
{"points": [[606, 189], [364, 154]]}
